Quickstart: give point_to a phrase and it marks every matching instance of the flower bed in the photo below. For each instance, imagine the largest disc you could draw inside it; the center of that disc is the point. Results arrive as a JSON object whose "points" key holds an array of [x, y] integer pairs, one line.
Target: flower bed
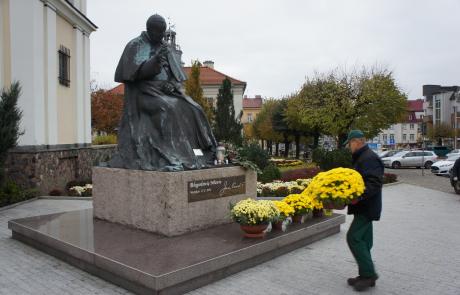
{"points": [[81, 191], [389, 178], [282, 189], [303, 173], [286, 162]]}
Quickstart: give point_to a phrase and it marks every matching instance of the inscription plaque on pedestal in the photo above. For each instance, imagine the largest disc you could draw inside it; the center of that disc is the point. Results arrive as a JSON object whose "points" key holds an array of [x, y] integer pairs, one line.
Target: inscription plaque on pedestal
{"points": [[200, 190]]}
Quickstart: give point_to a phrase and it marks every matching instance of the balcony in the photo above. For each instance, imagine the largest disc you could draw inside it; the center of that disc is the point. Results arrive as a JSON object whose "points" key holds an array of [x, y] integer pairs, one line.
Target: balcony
{"points": [[428, 119]]}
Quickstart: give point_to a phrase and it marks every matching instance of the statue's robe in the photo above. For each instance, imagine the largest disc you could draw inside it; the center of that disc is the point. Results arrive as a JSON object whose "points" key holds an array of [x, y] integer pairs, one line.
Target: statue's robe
{"points": [[159, 129]]}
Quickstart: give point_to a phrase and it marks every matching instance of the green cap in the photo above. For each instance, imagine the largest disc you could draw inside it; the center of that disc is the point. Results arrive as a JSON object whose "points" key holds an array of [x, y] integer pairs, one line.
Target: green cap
{"points": [[354, 134]]}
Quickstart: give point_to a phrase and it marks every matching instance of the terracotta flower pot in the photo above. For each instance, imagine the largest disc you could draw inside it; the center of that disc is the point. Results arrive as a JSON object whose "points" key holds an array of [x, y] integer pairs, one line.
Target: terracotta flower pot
{"points": [[254, 231]]}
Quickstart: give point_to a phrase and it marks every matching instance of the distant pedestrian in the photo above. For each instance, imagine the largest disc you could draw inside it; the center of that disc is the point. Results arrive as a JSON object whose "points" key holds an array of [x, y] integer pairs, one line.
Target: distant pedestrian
{"points": [[365, 210]]}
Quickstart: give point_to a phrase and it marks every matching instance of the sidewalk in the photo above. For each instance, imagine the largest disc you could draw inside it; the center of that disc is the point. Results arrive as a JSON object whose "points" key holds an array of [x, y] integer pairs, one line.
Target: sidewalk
{"points": [[415, 248]]}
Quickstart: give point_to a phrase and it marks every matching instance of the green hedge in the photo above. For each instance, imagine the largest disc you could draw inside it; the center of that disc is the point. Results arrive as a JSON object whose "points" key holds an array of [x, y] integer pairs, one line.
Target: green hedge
{"points": [[332, 159], [11, 193], [105, 139]]}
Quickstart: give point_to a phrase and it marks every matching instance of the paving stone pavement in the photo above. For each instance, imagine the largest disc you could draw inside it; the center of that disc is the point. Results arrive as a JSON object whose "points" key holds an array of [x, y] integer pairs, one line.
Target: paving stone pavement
{"points": [[416, 248], [423, 178]]}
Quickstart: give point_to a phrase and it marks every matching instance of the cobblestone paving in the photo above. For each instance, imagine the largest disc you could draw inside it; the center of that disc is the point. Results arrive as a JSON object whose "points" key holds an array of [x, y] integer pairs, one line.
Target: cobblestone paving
{"points": [[423, 178], [415, 249]]}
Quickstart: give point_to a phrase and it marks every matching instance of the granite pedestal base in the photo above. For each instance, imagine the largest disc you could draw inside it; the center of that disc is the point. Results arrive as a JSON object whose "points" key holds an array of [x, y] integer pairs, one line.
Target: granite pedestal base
{"points": [[170, 203], [147, 263]]}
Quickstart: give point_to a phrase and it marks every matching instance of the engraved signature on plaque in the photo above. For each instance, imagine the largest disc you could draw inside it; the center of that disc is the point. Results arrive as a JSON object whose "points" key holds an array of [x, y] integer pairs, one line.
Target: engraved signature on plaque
{"points": [[200, 190]]}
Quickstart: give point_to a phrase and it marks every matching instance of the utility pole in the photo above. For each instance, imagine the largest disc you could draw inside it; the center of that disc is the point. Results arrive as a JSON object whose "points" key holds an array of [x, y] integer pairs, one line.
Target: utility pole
{"points": [[455, 127]]}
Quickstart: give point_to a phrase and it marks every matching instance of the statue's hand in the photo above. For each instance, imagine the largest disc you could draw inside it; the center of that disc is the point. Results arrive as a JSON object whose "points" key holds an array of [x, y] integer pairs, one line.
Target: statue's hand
{"points": [[168, 88]]}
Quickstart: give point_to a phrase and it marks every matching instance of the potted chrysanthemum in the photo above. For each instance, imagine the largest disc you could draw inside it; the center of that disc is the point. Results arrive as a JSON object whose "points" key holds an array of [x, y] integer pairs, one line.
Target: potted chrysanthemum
{"points": [[286, 211], [302, 206], [254, 216], [336, 188]]}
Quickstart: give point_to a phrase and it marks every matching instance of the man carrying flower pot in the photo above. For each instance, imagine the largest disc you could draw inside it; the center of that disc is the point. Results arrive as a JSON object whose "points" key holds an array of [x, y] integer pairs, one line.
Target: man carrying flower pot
{"points": [[366, 209]]}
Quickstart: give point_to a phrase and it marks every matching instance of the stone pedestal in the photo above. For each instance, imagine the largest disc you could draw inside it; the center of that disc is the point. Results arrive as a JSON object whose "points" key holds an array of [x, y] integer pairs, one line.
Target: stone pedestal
{"points": [[170, 203]]}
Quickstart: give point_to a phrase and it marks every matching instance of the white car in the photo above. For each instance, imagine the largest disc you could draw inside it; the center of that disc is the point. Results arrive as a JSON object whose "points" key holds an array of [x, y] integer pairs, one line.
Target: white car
{"points": [[411, 159], [443, 167], [388, 153], [453, 153]]}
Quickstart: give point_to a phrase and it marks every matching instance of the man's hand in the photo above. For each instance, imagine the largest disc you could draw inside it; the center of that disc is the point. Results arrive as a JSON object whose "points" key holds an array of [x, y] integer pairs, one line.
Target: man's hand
{"points": [[455, 178]]}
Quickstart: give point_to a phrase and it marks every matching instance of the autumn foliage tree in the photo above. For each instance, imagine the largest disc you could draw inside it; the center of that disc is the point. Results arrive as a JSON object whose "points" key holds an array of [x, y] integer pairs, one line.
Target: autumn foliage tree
{"points": [[336, 102], [194, 90], [106, 110]]}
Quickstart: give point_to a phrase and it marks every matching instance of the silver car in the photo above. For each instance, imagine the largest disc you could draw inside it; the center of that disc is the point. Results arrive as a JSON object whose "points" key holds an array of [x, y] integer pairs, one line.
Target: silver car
{"points": [[411, 159]]}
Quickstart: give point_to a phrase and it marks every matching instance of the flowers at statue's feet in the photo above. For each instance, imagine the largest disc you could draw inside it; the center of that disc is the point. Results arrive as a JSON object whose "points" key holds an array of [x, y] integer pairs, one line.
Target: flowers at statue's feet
{"points": [[285, 210], [300, 203], [253, 212]]}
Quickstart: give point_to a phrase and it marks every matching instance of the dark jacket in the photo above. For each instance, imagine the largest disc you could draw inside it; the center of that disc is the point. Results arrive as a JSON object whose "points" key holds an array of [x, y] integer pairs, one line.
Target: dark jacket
{"points": [[371, 168], [456, 168]]}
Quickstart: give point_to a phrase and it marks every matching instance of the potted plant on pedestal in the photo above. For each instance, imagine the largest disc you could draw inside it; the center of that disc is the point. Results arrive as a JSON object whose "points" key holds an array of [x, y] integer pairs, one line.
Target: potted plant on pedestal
{"points": [[254, 216], [302, 207], [286, 211]]}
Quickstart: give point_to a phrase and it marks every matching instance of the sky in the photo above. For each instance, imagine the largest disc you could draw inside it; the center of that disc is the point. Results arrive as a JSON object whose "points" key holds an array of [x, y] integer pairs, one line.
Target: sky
{"points": [[274, 45]]}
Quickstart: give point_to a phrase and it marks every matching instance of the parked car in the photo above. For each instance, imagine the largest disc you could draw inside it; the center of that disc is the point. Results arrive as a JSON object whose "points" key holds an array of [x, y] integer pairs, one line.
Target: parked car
{"points": [[453, 153], [389, 153], [441, 151], [443, 167], [411, 159]]}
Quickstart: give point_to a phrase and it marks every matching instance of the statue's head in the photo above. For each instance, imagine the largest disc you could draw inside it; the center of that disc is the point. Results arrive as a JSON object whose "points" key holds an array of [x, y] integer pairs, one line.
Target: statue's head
{"points": [[156, 27]]}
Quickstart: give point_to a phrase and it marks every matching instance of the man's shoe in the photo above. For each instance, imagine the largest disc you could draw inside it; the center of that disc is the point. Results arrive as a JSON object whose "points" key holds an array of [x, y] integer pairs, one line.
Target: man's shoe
{"points": [[364, 283], [352, 281]]}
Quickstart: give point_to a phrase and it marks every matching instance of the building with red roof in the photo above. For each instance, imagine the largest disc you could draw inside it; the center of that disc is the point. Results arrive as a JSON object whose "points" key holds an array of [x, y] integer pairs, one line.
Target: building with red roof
{"points": [[406, 134], [251, 108], [211, 81]]}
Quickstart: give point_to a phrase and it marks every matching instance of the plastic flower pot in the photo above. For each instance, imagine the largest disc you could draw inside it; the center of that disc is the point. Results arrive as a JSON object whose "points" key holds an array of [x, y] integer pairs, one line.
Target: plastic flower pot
{"points": [[332, 205], [254, 231], [318, 213], [299, 218]]}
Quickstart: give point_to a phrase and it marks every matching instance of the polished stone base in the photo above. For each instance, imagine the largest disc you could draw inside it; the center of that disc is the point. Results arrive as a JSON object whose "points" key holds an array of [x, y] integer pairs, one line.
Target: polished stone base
{"points": [[170, 203], [146, 263]]}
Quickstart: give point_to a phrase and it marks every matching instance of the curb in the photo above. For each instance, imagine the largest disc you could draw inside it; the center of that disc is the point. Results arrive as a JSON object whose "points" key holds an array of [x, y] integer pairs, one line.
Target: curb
{"points": [[393, 183], [17, 204], [65, 198]]}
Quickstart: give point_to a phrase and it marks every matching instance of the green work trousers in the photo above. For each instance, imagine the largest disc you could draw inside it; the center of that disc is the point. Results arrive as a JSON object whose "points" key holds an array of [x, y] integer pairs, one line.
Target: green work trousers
{"points": [[360, 239]]}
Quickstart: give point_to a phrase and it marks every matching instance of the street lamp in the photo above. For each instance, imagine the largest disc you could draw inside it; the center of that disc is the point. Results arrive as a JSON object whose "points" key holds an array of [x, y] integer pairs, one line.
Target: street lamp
{"points": [[455, 127]]}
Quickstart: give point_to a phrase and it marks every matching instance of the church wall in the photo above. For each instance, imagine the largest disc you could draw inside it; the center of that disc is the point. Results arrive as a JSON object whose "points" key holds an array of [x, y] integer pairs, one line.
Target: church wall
{"points": [[27, 57], [66, 96]]}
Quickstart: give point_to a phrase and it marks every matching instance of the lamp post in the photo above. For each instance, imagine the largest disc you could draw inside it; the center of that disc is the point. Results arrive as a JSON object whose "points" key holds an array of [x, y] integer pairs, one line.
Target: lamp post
{"points": [[455, 127]]}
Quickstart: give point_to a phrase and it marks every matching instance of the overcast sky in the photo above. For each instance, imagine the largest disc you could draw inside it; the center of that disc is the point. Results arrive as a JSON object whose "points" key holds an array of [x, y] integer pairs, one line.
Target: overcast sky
{"points": [[274, 45]]}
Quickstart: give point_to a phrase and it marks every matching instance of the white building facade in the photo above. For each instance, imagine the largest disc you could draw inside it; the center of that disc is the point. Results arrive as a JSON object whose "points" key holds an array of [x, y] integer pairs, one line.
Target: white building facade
{"points": [[406, 134], [442, 106], [211, 81], [45, 46]]}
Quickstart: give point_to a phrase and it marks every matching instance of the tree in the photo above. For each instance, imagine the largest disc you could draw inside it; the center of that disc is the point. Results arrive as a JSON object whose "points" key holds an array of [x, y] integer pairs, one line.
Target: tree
{"points": [[440, 131], [194, 90], [296, 122], [106, 110], [263, 124], [10, 119], [281, 126], [226, 126], [369, 100]]}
